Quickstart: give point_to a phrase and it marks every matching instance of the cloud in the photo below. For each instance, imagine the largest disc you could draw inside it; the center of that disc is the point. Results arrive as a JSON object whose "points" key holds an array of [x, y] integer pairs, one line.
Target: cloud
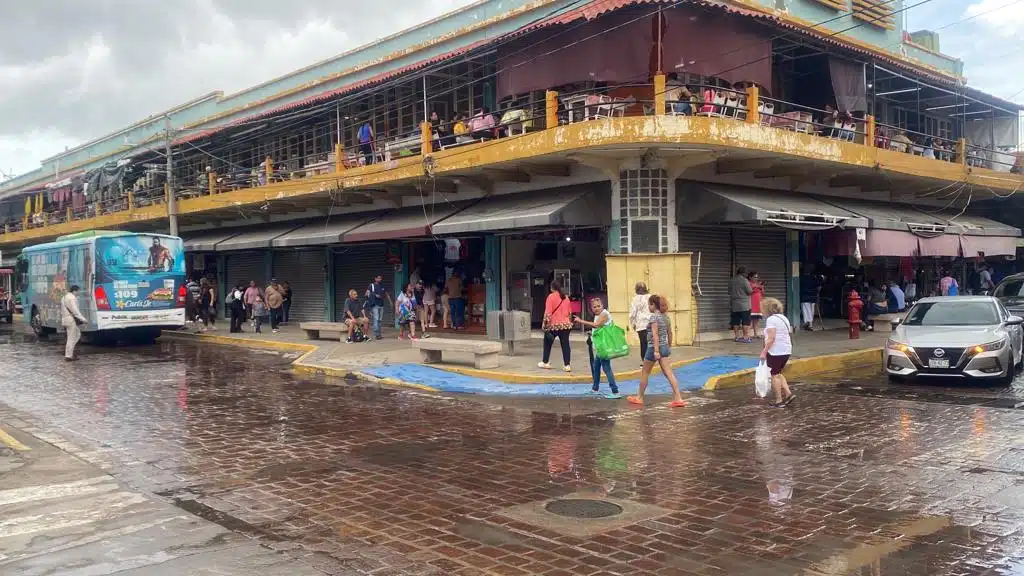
{"points": [[1004, 17], [72, 71]]}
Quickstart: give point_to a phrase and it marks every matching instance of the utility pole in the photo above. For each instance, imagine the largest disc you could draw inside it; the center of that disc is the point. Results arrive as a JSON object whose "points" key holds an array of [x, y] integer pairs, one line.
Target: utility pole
{"points": [[172, 200]]}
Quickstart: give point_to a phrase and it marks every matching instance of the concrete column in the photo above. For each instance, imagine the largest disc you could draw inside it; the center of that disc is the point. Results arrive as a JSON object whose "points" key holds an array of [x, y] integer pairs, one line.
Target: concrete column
{"points": [[492, 262], [645, 211], [329, 310], [222, 282], [793, 277]]}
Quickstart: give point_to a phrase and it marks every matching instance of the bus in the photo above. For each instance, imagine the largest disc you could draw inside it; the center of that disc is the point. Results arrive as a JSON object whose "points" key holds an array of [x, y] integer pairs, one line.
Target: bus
{"points": [[132, 285]]}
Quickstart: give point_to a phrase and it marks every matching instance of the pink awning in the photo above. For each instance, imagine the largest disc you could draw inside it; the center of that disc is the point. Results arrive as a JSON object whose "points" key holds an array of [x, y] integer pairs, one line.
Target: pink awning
{"points": [[944, 245], [890, 243], [975, 246]]}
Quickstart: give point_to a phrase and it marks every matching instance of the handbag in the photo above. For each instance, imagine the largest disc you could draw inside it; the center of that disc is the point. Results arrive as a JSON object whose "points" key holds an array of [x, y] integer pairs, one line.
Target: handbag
{"points": [[544, 323], [610, 342]]}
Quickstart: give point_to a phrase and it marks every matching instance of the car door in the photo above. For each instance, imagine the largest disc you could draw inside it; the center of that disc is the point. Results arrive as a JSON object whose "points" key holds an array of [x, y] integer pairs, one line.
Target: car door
{"points": [[1016, 333]]}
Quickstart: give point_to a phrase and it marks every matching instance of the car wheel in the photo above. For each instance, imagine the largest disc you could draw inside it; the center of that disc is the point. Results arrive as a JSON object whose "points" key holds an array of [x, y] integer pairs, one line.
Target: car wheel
{"points": [[1011, 373], [893, 379]]}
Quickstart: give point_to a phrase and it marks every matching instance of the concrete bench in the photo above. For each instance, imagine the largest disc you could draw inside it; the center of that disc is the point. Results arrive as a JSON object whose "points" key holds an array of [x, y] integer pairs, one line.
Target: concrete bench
{"points": [[884, 322], [329, 330], [485, 354]]}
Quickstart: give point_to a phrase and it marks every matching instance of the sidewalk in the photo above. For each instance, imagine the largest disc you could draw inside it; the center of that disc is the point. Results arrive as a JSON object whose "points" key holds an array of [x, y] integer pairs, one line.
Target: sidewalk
{"points": [[716, 364]]}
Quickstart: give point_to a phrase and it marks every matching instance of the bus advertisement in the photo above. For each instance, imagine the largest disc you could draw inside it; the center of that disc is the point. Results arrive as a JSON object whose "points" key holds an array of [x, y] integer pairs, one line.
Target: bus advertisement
{"points": [[131, 285]]}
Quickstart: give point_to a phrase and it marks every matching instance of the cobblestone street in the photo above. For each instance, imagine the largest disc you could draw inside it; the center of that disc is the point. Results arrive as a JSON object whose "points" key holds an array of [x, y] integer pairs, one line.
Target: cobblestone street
{"points": [[857, 477]]}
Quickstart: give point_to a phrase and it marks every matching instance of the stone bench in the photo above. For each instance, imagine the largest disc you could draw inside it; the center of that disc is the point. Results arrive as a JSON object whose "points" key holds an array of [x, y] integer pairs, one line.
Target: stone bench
{"points": [[883, 322], [485, 354], [329, 330]]}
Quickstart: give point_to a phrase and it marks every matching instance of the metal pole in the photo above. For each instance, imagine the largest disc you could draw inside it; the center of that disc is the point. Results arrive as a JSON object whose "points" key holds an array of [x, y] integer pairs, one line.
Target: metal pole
{"points": [[172, 201], [337, 110], [426, 116]]}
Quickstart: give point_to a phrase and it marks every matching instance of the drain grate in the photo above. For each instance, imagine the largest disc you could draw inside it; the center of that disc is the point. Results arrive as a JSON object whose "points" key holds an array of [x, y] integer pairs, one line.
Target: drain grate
{"points": [[583, 508]]}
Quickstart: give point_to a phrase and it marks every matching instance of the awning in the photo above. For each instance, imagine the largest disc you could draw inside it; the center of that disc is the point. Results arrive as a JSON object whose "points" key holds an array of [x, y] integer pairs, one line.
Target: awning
{"points": [[207, 241], [321, 232], [253, 239], [887, 216], [890, 243], [977, 246], [979, 226], [701, 204], [545, 208], [942, 245], [403, 223]]}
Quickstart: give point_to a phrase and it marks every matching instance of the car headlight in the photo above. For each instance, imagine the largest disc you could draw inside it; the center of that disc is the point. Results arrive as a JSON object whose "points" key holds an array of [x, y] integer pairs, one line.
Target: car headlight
{"points": [[990, 347], [897, 346]]}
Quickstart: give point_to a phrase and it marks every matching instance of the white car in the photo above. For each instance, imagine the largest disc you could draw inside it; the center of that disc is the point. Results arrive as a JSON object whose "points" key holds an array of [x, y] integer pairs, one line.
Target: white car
{"points": [[956, 336]]}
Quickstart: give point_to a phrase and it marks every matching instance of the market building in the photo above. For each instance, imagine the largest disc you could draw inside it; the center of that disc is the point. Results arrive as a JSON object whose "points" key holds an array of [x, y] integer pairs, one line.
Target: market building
{"points": [[517, 141]]}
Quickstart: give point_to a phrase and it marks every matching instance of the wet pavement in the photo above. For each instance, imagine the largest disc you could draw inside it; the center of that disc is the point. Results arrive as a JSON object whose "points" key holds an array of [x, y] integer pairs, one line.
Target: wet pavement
{"points": [[857, 477]]}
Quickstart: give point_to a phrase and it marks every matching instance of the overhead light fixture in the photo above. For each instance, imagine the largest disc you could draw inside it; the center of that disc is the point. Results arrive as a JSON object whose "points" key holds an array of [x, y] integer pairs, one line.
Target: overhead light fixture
{"points": [[964, 105], [870, 85], [891, 92]]}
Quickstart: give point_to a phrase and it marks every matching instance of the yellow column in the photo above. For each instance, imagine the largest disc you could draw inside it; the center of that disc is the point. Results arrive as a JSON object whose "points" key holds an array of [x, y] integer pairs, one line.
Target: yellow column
{"points": [[131, 200], [211, 182], [44, 219], [961, 150], [270, 169], [659, 94], [70, 215], [39, 203], [753, 100], [551, 109], [24, 222], [7, 228], [339, 157], [869, 130], [426, 142]]}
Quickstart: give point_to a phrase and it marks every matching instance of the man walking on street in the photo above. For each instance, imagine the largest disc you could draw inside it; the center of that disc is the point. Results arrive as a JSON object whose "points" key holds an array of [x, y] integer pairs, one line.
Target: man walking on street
{"points": [[739, 303], [375, 296], [71, 318], [275, 302]]}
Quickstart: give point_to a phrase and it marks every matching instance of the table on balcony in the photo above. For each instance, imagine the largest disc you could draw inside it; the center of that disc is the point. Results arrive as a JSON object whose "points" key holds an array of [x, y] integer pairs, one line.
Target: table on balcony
{"points": [[797, 121], [576, 107], [409, 143]]}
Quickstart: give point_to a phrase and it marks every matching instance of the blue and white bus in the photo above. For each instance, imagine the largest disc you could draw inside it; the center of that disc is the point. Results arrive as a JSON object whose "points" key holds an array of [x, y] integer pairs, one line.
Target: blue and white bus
{"points": [[132, 286]]}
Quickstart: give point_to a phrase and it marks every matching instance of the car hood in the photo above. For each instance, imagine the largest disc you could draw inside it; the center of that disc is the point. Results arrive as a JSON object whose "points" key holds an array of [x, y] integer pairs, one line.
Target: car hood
{"points": [[947, 336]]}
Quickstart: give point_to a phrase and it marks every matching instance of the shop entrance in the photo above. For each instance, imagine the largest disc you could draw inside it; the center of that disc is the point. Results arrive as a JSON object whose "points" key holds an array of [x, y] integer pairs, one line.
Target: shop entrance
{"points": [[435, 261], [575, 257]]}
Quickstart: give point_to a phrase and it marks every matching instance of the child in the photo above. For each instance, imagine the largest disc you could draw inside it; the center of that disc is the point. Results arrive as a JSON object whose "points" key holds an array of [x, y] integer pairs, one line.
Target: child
{"points": [[259, 310], [602, 317]]}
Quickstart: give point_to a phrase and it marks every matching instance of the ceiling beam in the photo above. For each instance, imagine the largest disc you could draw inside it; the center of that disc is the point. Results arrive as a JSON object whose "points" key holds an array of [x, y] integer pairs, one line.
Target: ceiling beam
{"points": [[737, 165], [556, 170], [506, 175]]}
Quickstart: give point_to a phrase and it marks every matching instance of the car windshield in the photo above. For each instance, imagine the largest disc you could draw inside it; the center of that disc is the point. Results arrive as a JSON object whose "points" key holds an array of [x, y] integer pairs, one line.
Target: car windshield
{"points": [[1010, 289], [952, 313]]}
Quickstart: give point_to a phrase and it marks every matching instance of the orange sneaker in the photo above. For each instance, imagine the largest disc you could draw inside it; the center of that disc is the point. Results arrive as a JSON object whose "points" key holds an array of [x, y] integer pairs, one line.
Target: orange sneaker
{"points": [[635, 400]]}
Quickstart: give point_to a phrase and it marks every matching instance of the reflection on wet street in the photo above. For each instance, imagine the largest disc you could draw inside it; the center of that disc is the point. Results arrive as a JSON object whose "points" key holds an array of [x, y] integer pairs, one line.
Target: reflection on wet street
{"points": [[857, 477]]}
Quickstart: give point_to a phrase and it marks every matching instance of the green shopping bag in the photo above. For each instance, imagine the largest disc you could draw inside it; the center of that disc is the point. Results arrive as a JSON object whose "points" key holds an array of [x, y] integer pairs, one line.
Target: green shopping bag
{"points": [[610, 342]]}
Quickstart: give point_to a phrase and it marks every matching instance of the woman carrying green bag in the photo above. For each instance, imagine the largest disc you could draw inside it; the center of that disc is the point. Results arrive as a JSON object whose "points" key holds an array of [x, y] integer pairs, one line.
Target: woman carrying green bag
{"points": [[602, 321]]}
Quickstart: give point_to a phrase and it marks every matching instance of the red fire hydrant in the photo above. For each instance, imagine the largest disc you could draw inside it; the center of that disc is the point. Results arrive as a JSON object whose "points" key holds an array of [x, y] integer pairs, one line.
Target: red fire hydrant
{"points": [[853, 307]]}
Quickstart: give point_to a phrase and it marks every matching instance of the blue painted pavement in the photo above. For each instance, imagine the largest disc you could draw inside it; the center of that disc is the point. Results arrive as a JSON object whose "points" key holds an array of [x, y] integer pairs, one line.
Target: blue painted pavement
{"points": [[690, 376]]}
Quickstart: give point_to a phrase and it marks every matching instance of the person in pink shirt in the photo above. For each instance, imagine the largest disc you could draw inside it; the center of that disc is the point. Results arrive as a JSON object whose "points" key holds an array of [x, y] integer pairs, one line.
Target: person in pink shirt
{"points": [[948, 285], [756, 295], [557, 324], [252, 293], [482, 125]]}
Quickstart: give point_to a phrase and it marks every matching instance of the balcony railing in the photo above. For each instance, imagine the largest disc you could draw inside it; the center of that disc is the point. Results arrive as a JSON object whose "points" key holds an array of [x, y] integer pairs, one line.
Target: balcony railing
{"points": [[661, 98]]}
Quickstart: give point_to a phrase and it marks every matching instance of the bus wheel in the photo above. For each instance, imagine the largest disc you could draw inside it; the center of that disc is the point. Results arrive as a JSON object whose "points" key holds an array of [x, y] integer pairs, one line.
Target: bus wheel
{"points": [[37, 325]]}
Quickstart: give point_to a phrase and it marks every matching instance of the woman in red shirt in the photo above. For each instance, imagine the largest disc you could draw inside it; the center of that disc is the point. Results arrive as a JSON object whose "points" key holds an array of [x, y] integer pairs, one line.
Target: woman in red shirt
{"points": [[756, 295], [556, 324]]}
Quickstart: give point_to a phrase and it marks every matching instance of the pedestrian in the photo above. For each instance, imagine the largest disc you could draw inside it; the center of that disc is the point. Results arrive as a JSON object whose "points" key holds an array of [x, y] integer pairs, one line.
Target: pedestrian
{"points": [[430, 303], [556, 324], [405, 312], [739, 302], [237, 304], [658, 351], [756, 296], [809, 290], [778, 346], [375, 295], [250, 298], [420, 291], [286, 291], [259, 311], [207, 304], [72, 320], [366, 143], [985, 279], [948, 285], [275, 302], [455, 300], [640, 317], [446, 307], [602, 318], [355, 318]]}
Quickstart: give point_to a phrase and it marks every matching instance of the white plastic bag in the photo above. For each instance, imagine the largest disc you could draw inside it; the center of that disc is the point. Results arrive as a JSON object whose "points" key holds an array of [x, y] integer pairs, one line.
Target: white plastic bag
{"points": [[762, 379]]}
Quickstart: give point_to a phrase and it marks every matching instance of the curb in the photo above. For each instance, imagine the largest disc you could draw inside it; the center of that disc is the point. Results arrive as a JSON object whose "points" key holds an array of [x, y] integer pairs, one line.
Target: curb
{"points": [[801, 368], [513, 378], [243, 342]]}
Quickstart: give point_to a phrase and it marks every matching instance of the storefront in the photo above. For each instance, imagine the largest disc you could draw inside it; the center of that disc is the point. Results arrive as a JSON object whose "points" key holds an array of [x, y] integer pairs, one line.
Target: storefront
{"points": [[727, 227], [536, 237]]}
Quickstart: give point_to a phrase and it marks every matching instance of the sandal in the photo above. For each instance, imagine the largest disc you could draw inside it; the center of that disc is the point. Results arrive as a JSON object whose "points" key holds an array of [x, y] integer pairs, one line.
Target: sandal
{"points": [[677, 404], [788, 399], [635, 400]]}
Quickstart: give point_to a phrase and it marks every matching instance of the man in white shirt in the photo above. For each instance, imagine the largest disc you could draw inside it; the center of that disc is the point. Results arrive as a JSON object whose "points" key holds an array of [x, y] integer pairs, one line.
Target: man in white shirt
{"points": [[71, 318], [986, 279]]}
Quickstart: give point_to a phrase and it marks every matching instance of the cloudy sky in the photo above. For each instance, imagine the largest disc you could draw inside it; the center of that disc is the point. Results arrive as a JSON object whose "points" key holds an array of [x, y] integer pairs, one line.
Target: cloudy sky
{"points": [[72, 70]]}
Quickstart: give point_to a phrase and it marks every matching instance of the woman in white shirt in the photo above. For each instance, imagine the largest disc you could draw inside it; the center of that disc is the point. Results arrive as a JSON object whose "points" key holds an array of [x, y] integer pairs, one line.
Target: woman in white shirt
{"points": [[640, 317], [778, 346]]}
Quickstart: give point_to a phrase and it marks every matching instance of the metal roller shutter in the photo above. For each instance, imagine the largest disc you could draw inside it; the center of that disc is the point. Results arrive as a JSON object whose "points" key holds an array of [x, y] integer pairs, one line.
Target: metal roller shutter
{"points": [[713, 244], [354, 267], [304, 272], [241, 268], [764, 250]]}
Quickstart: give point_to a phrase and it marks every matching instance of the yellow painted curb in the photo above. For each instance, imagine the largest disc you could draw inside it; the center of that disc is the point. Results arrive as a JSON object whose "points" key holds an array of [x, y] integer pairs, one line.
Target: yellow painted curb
{"points": [[344, 373], [12, 442], [514, 378], [243, 342], [800, 368]]}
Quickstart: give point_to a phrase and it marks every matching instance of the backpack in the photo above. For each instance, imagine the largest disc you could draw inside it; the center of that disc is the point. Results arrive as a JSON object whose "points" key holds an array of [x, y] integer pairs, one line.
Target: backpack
{"points": [[357, 335]]}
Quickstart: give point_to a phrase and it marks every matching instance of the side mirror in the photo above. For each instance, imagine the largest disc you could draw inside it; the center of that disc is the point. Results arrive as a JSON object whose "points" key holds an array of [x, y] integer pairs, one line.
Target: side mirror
{"points": [[1014, 321]]}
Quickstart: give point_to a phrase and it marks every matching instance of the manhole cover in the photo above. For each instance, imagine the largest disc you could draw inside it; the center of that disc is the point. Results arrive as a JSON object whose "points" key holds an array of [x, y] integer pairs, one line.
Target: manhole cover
{"points": [[583, 508]]}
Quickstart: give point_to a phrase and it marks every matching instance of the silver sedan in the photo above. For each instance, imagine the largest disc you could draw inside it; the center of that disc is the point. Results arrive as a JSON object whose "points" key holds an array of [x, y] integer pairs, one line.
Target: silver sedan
{"points": [[956, 336]]}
